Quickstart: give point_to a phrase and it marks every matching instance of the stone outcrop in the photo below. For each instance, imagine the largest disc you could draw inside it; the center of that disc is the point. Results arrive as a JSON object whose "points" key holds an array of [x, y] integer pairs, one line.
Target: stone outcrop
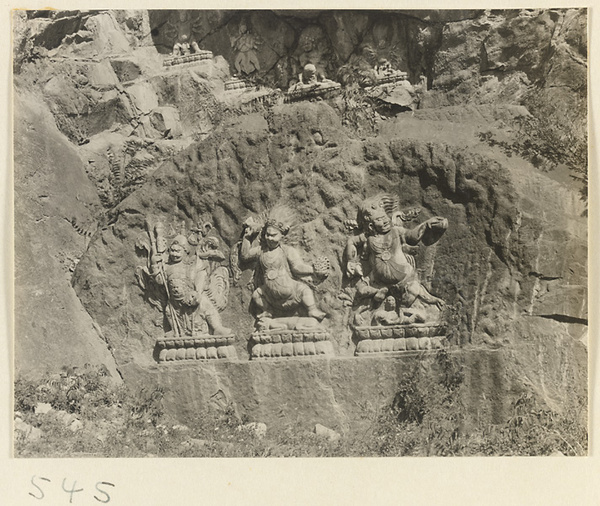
{"points": [[487, 265], [53, 226], [96, 110]]}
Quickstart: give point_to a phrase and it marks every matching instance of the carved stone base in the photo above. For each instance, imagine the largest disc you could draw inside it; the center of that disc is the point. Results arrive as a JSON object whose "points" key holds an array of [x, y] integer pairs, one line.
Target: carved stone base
{"points": [[311, 92], [196, 348], [237, 84], [399, 338], [392, 77], [291, 343], [188, 58]]}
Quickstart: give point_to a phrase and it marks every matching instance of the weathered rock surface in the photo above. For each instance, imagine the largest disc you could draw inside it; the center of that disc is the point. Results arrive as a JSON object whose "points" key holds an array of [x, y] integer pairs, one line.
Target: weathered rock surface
{"points": [[169, 143], [55, 206], [26, 431], [343, 394]]}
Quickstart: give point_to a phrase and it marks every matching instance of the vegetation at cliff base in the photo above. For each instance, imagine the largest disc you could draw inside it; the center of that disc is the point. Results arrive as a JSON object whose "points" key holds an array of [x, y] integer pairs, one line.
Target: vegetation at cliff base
{"points": [[82, 413]]}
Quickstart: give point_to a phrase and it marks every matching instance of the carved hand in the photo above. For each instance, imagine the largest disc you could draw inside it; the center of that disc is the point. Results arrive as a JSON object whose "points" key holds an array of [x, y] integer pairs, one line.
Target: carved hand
{"points": [[251, 228], [353, 269], [380, 295], [321, 268], [437, 222]]}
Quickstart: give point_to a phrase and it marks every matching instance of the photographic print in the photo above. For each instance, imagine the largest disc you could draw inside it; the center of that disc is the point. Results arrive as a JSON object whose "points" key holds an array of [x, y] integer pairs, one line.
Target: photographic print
{"points": [[300, 233]]}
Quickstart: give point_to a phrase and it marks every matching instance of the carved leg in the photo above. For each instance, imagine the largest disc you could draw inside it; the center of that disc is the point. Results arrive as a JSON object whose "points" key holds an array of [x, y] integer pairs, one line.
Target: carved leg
{"points": [[213, 318], [362, 316], [416, 290], [259, 301], [238, 63], [307, 299], [214, 322], [253, 60]]}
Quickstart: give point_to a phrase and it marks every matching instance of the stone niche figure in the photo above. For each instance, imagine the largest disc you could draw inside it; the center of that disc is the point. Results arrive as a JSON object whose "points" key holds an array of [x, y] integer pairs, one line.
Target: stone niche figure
{"points": [[383, 67], [311, 84], [281, 290], [194, 287], [313, 47], [387, 314], [246, 44], [308, 79], [181, 32], [380, 267]]}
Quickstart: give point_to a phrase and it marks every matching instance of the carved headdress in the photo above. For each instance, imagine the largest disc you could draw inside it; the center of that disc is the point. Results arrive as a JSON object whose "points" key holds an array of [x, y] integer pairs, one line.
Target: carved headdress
{"points": [[282, 218], [182, 241], [373, 206]]}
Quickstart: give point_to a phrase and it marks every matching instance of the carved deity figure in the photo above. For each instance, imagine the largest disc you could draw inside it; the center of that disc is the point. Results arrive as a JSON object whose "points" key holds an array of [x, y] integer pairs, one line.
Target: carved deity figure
{"points": [[313, 47], [182, 33], [377, 260], [246, 44], [309, 75], [279, 270], [310, 79], [194, 286], [383, 67], [387, 313]]}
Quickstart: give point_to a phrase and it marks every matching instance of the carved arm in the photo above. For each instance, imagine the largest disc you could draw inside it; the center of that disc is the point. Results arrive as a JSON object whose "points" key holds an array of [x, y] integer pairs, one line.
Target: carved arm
{"points": [[249, 249], [352, 253], [427, 232], [298, 267]]}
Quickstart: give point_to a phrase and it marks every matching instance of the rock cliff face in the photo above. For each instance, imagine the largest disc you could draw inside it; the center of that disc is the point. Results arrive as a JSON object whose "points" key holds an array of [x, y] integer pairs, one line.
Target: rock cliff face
{"points": [[124, 139], [52, 231]]}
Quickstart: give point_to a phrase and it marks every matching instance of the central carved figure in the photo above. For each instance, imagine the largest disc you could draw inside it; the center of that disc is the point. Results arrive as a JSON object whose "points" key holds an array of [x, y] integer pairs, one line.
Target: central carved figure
{"points": [[287, 319], [279, 270]]}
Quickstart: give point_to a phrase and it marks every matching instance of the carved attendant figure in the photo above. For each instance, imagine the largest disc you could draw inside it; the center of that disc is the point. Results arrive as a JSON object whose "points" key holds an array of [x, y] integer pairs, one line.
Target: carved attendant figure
{"points": [[246, 61], [387, 313], [188, 290]]}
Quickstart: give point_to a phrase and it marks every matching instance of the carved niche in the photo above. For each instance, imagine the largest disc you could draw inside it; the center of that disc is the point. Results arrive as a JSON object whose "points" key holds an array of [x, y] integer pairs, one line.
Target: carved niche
{"points": [[391, 309], [288, 321], [185, 277]]}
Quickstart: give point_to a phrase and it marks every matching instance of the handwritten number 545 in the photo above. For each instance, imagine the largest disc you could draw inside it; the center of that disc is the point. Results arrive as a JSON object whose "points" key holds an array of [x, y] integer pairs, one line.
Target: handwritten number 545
{"points": [[39, 494]]}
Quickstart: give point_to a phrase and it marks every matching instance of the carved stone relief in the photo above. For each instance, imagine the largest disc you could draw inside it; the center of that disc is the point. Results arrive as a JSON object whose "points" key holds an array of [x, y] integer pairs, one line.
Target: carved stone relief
{"points": [[392, 310], [191, 286], [287, 317]]}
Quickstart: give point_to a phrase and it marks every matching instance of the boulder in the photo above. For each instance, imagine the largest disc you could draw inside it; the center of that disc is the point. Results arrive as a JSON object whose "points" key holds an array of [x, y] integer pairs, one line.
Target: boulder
{"points": [[42, 408], [27, 431], [325, 432]]}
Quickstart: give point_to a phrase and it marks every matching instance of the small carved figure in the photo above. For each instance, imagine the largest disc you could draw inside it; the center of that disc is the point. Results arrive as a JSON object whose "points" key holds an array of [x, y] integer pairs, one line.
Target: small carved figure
{"points": [[309, 75], [246, 60], [182, 33], [314, 48], [383, 66], [312, 84], [377, 260], [195, 286], [387, 313], [387, 74], [311, 78], [279, 270]]}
